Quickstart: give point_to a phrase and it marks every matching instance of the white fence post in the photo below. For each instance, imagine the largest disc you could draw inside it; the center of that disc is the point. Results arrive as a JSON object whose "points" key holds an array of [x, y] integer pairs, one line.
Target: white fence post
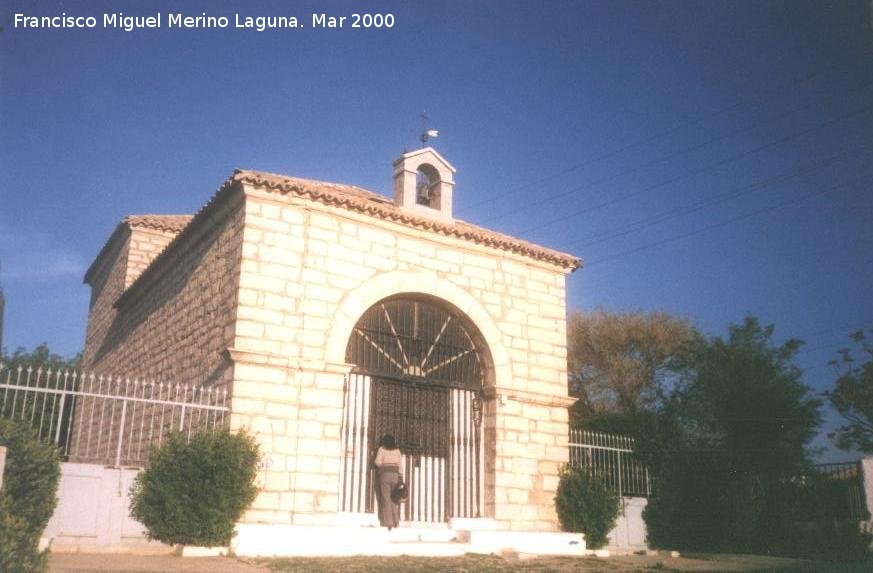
{"points": [[867, 486], [47, 398], [612, 457], [120, 434], [2, 464]]}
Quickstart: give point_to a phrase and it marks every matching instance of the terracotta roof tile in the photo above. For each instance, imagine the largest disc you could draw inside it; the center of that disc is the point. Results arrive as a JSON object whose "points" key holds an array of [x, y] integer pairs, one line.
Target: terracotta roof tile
{"points": [[167, 223], [170, 223], [364, 201], [345, 196]]}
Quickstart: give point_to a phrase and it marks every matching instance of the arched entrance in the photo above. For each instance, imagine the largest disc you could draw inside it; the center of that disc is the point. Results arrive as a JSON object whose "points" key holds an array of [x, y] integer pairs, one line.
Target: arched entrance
{"points": [[418, 374]]}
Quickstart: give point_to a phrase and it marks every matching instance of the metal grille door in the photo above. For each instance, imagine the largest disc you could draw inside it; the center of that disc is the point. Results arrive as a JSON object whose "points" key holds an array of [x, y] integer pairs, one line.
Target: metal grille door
{"points": [[417, 416], [418, 377], [438, 431]]}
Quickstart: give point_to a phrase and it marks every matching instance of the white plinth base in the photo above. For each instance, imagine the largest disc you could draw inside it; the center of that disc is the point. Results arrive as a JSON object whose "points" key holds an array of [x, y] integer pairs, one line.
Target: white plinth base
{"points": [[263, 540], [344, 519], [536, 542], [472, 524], [196, 551]]}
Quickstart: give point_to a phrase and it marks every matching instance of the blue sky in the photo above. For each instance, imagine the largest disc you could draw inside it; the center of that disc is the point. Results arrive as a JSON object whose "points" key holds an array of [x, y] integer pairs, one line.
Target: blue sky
{"points": [[711, 159]]}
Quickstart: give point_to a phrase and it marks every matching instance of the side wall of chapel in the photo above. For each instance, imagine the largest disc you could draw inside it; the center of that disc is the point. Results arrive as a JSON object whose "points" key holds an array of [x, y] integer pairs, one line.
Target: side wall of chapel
{"points": [[175, 328]]}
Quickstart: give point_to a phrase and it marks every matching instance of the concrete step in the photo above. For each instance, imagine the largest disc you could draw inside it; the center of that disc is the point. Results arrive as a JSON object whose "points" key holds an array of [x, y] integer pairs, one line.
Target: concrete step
{"points": [[532, 542], [424, 534], [422, 549], [281, 540]]}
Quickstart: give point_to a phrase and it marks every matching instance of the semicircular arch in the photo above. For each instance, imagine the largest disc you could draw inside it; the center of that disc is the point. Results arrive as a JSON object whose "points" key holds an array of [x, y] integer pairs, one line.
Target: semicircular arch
{"points": [[391, 284]]}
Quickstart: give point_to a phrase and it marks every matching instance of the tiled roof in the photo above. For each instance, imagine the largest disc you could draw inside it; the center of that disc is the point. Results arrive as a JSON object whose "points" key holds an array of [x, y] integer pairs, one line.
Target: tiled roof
{"points": [[170, 223], [167, 223], [364, 201], [340, 195]]}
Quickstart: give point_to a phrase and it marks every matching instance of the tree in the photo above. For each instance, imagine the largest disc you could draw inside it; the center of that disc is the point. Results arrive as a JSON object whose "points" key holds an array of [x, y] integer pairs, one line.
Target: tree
{"points": [[41, 356], [745, 396], [742, 421], [45, 371], [852, 397], [619, 362]]}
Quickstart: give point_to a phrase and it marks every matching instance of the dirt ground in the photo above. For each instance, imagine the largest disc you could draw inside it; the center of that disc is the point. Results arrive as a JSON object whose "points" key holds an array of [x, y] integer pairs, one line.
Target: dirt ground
{"points": [[101, 563], [97, 563]]}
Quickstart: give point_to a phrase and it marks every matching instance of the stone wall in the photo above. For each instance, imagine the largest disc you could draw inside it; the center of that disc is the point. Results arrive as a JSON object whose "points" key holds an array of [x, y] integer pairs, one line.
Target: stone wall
{"points": [[264, 293], [177, 324], [108, 280], [309, 271], [129, 251], [144, 245]]}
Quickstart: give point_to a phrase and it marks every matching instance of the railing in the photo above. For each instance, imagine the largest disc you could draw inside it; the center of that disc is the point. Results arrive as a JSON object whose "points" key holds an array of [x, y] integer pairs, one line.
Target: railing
{"points": [[846, 481], [106, 419], [612, 458]]}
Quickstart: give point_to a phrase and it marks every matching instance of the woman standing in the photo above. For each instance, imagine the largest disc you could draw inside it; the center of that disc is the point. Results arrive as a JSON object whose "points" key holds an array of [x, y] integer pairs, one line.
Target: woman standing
{"points": [[387, 477]]}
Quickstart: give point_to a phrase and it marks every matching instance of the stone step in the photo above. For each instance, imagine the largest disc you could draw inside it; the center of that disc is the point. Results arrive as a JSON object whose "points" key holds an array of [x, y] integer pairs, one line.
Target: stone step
{"points": [[424, 534], [268, 541], [422, 549], [533, 542]]}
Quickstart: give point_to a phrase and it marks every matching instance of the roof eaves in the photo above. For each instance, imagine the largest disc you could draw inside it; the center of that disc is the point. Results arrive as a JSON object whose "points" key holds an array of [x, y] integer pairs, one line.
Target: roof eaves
{"points": [[121, 228], [363, 201], [166, 223], [194, 225]]}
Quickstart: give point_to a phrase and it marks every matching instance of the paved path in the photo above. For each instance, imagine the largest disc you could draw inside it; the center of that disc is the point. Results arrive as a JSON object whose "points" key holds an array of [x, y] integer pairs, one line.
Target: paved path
{"points": [[100, 563]]}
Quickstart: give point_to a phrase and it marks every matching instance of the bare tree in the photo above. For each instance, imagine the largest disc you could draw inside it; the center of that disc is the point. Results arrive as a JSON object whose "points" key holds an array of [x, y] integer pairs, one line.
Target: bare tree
{"points": [[619, 362]]}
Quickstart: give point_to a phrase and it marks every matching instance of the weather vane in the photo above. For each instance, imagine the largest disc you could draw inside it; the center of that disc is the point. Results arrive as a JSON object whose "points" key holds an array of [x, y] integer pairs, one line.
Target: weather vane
{"points": [[426, 134]]}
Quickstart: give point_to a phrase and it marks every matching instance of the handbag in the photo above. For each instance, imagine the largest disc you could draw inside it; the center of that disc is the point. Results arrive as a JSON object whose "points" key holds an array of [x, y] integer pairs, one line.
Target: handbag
{"points": [[399, 493]]}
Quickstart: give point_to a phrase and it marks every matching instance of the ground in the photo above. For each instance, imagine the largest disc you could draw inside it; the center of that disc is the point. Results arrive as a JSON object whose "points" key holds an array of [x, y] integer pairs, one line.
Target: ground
{"points": [[93, 563]]}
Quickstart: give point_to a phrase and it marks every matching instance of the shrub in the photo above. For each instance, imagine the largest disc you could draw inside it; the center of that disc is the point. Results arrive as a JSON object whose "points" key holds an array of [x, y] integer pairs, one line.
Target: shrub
{"points": [[194, 492], [586, 504], [27, 499], [705, 502], [702, 503]]}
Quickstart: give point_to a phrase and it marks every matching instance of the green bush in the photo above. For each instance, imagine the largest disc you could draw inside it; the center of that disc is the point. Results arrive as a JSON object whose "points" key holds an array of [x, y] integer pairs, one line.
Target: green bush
{"points": [[194, 492], [707, 502], [27, 499], [703, 503], [586, 504]]}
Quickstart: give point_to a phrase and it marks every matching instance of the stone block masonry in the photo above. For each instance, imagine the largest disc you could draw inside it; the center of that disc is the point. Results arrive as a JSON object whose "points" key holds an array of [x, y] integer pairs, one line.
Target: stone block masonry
{"points": [[175, 321], [303, 263], [261, 291]]}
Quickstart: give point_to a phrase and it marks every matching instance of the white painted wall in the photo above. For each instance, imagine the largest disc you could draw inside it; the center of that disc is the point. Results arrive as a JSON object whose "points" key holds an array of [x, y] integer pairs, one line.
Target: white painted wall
{"points": [[630, 529], [867, 485], [92, 516], [92, 513]]}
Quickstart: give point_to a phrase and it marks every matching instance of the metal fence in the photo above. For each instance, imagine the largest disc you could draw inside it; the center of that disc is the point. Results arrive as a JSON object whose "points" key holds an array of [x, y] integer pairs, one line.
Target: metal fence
{"points": [[106, 419], [611, 457], [845, 480]]}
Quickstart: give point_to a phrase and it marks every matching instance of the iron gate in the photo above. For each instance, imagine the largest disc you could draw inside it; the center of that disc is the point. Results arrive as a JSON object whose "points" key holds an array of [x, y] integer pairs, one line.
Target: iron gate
{"points": [[418, 378], [438, 430]]}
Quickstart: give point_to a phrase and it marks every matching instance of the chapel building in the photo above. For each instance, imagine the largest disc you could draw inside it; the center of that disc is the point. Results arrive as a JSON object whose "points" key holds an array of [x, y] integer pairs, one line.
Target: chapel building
{"points": [[333, 315]]}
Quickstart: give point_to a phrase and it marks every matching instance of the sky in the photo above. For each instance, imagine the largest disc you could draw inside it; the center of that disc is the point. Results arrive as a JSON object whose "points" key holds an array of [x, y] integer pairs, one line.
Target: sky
{"points": [[710, 159]]}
